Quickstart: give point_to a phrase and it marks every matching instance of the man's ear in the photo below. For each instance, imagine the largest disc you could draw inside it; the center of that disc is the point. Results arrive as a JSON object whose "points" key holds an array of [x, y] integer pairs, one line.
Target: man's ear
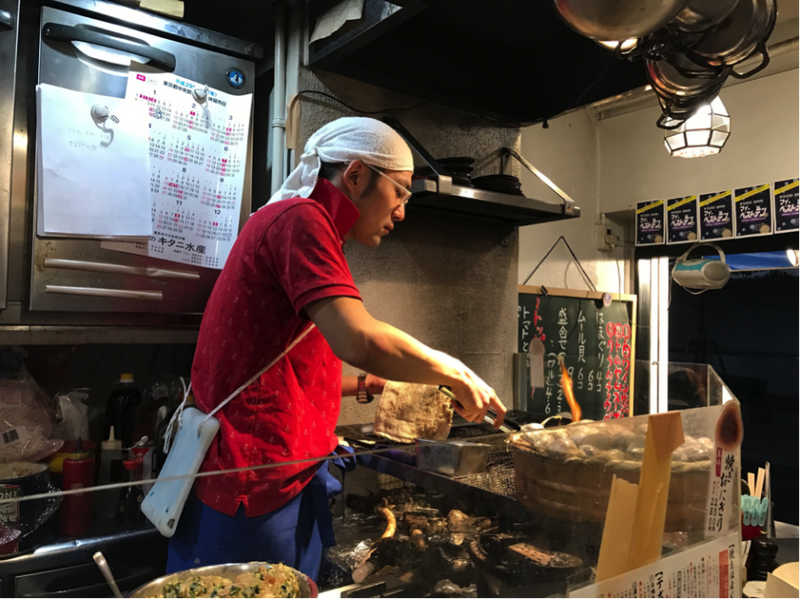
{"points": [[354, 176]]}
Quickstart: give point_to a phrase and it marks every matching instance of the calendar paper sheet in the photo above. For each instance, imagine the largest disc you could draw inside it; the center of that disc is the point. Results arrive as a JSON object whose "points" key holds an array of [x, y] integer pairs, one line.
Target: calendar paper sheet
{"points": [[92, 176], [197, 166]]}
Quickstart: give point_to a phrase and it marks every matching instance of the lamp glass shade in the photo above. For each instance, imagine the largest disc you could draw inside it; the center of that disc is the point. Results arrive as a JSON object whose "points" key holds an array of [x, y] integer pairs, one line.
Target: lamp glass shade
{"points": [[702, 134]]}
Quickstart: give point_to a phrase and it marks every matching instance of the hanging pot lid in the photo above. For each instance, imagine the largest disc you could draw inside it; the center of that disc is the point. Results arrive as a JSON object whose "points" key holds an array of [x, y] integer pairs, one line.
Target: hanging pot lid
{"points": [[702, 15], [738, 36], [680, 77], [619, 20]]}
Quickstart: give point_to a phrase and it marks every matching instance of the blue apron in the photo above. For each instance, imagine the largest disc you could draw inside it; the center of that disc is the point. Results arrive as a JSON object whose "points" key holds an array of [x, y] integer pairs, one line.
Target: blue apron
{"points": [[296, 534]]}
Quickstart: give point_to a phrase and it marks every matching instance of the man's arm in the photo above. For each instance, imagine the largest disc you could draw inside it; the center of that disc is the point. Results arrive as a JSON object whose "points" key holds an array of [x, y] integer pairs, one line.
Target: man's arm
{"points": [[374, 346]]}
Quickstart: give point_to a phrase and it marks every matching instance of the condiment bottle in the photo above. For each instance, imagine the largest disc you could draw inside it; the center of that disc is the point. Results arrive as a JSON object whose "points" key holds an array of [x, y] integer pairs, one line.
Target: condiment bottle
{"points": [[76, 510], [130, 500], [121, 408], [111, 471]]}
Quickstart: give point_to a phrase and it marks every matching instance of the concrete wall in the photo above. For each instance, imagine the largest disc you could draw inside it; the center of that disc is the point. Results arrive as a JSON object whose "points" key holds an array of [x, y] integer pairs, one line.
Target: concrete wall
{"points": [[763, 147], [567, 152], [445, 280]]}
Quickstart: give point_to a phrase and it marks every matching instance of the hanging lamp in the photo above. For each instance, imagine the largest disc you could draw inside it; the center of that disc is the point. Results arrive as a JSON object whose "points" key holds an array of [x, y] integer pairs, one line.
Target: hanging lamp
{"points": [[702, 134]]}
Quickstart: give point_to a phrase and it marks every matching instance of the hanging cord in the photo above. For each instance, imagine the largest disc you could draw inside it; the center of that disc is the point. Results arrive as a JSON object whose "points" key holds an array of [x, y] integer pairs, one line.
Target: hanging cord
{"points": [[574, 257], [258, 374], [177, 417]]}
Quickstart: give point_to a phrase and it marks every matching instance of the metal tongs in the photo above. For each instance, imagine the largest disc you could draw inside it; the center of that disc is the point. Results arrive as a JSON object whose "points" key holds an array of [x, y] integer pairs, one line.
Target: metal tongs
{"points": [[509, 426]]}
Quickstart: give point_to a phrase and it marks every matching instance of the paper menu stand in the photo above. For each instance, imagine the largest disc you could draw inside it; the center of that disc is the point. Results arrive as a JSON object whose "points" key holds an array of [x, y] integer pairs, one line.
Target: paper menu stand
{"points": [[783, 582], [710, 569], [93, 166]]}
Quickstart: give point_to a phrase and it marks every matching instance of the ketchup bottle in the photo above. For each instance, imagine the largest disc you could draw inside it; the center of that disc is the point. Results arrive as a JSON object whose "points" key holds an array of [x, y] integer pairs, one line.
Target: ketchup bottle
{"points": [[76, 510]]}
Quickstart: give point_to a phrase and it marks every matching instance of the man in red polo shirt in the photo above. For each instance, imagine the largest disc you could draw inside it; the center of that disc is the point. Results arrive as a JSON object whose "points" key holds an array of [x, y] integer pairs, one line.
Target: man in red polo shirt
{"points": [[285, 274]]}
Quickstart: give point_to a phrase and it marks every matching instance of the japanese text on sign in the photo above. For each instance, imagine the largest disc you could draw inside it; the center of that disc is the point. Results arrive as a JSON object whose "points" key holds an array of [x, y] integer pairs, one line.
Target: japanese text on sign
{"points": [[530, 325], [720, 492], [617, 403], [710, 569]]}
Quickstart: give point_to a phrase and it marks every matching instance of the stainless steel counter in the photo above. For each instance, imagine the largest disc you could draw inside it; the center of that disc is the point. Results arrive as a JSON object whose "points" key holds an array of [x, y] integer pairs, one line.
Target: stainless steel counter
{"points": [[64, 567]]}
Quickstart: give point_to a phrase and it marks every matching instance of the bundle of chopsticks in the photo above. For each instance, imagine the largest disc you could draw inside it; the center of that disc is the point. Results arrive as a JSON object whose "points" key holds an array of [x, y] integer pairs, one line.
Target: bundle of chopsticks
{"points": [[756, 509], [755, 505]]}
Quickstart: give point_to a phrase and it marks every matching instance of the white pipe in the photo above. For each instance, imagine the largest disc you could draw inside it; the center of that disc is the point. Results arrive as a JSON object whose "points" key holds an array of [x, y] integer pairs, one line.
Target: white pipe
{"points": [[663, 333], [279, 100]]}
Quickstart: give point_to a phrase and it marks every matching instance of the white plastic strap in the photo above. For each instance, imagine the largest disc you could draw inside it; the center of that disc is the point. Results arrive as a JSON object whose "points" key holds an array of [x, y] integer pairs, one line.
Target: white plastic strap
{"points": [[697, 245], [176, 417], [260, 372]]}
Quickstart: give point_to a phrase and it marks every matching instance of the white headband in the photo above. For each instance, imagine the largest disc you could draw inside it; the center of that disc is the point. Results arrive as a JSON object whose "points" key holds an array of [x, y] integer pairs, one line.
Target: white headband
{"points": [[345, 140]]}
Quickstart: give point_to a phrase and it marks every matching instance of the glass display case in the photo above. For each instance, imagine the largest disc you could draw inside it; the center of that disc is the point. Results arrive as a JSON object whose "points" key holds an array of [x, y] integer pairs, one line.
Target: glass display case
{"points": [[523, 514]]}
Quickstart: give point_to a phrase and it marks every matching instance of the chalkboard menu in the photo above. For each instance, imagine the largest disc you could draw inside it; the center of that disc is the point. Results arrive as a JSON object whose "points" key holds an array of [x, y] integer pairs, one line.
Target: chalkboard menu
{"points": [[595, 337]]}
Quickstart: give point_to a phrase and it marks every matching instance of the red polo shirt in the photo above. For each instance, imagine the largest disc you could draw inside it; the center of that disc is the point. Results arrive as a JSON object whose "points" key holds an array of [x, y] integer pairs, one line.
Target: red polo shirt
{"points": [[287, 255]]}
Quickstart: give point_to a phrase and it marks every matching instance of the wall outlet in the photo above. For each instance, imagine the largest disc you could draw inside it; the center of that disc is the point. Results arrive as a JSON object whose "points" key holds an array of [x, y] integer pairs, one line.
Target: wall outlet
{"points": [[605, 240]]}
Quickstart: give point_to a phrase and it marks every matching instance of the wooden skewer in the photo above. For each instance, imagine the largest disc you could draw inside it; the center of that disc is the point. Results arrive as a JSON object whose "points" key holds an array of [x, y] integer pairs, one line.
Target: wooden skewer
{"points": [[759, 483]]}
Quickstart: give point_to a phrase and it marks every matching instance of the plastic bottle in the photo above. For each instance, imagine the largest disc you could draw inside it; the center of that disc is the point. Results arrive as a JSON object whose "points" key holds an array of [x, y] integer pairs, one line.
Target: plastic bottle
{"points": [[121, 408], [130, 500], [76, 510], [111, 471]]}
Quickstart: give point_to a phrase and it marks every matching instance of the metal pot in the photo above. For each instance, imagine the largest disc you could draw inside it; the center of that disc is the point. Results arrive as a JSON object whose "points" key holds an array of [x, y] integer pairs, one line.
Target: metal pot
{"points": [[678, 76], [308, 588], [701, 15], [675, 110], [742, 34], [617, 20], [31, 478]]}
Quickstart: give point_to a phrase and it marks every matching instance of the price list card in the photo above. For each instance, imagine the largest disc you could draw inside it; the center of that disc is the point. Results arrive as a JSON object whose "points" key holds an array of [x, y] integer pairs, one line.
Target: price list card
{"points": [[197, 156]]}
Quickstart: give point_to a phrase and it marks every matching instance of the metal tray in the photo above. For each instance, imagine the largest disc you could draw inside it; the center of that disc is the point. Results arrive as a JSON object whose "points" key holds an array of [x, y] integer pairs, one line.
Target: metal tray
{"points": [[452, 458], [308, 588]]}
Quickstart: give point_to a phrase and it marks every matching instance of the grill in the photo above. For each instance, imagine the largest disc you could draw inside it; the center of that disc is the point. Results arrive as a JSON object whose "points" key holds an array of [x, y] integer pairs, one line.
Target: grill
{"points": [[499, 475], [457, 433]]}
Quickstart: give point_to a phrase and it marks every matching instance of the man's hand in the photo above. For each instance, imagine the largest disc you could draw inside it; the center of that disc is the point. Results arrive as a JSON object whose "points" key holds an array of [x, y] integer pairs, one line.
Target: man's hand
{"points": [[474, 396], [374, 384]]}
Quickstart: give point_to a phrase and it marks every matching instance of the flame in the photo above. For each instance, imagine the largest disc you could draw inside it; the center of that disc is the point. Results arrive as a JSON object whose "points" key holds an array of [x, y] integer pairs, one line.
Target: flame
{"points": [[566, 385]]}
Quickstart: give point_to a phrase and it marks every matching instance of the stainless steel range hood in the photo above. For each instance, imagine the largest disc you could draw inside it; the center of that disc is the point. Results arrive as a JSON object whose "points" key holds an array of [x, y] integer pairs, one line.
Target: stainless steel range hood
{"points": [[439, 194]]}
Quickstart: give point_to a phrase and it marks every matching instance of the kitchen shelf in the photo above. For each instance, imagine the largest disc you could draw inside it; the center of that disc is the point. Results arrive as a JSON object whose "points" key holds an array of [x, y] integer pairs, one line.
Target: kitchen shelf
{"points": [[491, 206]]}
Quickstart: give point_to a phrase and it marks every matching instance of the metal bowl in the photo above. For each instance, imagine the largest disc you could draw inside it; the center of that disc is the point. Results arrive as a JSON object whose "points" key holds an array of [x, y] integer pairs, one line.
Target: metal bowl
{"points": [[308, 588], [617, 20]]}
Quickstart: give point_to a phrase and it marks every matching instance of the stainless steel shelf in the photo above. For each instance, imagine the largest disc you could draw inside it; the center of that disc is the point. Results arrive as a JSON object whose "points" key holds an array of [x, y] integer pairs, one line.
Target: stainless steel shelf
{"points": [[500, 208]]}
